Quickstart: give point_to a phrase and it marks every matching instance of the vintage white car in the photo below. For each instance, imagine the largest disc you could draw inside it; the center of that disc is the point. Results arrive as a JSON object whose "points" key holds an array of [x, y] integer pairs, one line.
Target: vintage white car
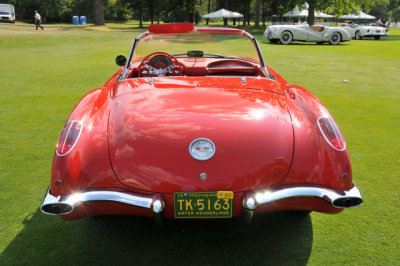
{"points": [[359, 31], [316, 33]]}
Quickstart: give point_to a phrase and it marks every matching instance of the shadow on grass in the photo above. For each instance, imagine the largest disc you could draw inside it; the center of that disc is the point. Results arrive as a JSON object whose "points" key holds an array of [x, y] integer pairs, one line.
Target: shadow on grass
{"points": [[275, 238]]}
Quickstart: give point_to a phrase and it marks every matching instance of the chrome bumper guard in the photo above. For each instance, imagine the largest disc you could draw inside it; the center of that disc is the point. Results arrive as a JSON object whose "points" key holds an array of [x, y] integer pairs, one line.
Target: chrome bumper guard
{"points": [[343, 199], [57, 205]]}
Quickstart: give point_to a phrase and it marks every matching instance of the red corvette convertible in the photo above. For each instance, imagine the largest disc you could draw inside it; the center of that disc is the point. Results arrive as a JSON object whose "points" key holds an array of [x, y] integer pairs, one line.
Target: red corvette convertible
{"points": [[195, 125]]}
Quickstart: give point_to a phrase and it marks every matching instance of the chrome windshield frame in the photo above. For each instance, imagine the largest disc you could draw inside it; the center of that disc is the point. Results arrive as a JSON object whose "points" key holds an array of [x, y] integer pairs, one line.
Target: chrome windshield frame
{"points": [[205, 30], [237, 31], [131, 53]]}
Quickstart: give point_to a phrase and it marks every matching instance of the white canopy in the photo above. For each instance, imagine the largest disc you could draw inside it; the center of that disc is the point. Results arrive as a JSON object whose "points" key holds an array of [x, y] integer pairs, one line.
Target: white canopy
{"points": [[322, 15], [304, 13], [361, 15], [223, 13], [296, 13]]}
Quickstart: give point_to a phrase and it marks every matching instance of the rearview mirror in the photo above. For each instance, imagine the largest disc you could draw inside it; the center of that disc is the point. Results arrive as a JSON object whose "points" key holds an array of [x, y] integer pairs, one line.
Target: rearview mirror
{"points": [[120, 60], [195, 53]]}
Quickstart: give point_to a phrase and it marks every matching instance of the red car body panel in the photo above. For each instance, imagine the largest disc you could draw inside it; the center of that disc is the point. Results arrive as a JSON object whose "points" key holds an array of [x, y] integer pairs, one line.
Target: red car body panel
{"points": [[315, 162], [136, 134], [148, 126]]}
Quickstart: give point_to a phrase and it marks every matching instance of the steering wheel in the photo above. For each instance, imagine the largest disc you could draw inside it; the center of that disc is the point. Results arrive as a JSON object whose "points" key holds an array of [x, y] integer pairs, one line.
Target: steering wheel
{"points": [[159, 64]]}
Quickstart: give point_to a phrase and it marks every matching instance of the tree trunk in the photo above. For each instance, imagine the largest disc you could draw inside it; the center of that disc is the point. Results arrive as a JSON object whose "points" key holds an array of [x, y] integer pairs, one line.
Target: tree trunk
{"points": [[98, 13], [140, 8], [151, 11], [311, 10], [263, 14], [248, 12], [257, 17], [208, 8]]}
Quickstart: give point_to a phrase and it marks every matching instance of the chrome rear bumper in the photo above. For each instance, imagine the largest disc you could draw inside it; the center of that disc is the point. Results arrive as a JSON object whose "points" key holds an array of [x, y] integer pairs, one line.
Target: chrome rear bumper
{"points": [[58, 205], [65, 204], [343, 199]]}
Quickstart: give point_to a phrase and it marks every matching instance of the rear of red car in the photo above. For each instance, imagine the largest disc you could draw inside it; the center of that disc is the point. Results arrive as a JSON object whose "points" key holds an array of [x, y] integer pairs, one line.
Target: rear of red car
{"points": [[204, 141]]}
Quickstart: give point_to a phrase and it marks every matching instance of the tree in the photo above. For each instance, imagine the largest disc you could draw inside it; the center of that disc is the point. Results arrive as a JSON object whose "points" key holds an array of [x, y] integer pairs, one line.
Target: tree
{"points": [[335, 7], [277, 7], [208, 10], [247, 16], [257, 12], [137, 7], [98, 13], [151, 10], [339, 8]]}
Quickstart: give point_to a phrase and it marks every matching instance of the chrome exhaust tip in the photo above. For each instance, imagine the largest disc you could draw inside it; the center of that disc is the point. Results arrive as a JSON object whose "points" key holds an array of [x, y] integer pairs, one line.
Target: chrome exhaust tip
{"points": [[56, 208], [347, 202]]}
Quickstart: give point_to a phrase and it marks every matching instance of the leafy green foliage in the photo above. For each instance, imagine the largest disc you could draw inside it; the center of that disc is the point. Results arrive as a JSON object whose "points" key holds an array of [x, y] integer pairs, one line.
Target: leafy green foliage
{"points": [[339, 8]]}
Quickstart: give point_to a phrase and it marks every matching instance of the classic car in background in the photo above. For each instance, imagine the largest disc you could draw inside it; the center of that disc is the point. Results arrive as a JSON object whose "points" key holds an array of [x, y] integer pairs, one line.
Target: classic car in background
{"points": [[7, 13], [195, 125], [285, 34], [359, 31]]}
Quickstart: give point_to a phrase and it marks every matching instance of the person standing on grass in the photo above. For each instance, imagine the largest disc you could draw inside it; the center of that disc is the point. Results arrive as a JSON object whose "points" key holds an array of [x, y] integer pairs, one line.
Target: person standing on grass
{"points": [[38, 20]]}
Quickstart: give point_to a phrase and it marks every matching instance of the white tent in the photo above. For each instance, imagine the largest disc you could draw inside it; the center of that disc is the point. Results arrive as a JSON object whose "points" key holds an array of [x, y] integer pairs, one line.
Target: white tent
{"points": [[237, 15], [322, 15], [296, 13], [304, 13], [223, 13], [361, 15]]}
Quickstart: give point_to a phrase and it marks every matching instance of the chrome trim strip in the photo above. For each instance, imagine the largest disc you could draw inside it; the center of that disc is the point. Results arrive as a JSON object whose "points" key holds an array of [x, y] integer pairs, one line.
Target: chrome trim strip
{"points": [[209, 76], [131, 52], [269, 196], [66, 136], [260, 55], [73, 200]]}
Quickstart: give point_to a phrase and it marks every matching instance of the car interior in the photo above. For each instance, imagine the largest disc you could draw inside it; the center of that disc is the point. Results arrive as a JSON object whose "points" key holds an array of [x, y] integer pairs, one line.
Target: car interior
{"points": [[317, 28], [193, 63]]}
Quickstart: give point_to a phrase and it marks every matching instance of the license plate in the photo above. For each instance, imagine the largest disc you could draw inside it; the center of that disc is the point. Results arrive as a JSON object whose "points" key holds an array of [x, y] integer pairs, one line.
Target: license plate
{"points": [[378, 31], [214, 204]]}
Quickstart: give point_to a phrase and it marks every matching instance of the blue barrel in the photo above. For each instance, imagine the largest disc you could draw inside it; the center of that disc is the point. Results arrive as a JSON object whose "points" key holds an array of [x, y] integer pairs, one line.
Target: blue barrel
{"points": [[83, 20], [75, 20]]}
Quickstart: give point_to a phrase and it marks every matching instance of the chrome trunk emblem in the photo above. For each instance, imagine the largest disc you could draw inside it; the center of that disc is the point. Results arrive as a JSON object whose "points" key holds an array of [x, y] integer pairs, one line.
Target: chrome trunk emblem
{"points": [[202, 149]]}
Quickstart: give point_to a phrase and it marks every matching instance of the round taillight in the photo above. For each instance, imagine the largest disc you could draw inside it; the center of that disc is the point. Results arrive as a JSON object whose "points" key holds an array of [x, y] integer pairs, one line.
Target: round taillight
{"points": [[331, 133], [68, 137]]}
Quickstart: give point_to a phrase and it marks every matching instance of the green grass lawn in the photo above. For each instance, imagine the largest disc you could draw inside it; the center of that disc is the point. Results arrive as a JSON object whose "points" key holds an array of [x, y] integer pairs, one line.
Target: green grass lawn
{"points": [[45, 73]]}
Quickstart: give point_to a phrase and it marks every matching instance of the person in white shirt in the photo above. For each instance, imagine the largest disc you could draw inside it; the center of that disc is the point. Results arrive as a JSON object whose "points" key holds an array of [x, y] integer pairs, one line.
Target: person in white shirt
{"points": [[38, 20]]}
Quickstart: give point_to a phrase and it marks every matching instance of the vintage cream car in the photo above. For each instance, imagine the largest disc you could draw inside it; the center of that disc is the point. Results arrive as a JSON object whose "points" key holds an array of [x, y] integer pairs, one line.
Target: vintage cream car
{"points": [[359, 31], [316, 33]]}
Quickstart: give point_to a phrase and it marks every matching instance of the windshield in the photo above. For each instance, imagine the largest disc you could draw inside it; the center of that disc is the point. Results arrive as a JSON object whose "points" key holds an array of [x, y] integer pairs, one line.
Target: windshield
{"points": [[198, 44]]}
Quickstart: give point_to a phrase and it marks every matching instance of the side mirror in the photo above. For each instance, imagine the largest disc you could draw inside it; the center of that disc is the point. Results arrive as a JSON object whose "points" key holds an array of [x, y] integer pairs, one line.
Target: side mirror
{"points": [[120, 60]]}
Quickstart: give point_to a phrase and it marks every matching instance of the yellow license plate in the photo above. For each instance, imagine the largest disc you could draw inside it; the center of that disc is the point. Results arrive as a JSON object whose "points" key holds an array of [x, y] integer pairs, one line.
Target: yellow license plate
{"points": [[214, 204]]}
